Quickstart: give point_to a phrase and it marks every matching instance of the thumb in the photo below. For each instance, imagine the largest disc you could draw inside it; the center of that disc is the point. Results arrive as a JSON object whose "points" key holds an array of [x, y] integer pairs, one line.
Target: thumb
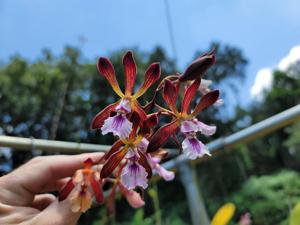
{"points": [[59, 213]]}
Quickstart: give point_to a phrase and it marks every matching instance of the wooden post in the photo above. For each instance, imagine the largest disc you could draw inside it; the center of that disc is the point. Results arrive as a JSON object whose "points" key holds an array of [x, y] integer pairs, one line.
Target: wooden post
{"points": [[193, 193]]}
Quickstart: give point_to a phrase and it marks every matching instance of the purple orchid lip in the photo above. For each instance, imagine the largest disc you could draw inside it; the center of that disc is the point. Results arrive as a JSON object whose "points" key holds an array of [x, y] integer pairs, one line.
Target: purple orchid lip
{"points": [[119, 125], [134, 175], [193, 148]]}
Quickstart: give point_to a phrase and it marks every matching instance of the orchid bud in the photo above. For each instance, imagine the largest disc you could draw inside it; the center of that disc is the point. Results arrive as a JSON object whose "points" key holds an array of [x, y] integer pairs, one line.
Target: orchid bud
{"points": [[134, 199], [197, 68]]}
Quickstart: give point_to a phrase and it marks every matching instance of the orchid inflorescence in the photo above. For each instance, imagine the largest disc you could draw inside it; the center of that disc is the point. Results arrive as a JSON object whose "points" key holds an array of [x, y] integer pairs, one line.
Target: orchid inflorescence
{"points": [[137, 152]]}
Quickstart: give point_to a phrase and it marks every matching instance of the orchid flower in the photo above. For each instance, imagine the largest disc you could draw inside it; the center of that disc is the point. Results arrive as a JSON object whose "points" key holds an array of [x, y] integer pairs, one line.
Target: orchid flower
{"points": [[133, 198], [154, 159], [186, 119], [119, 124], [137, 170], [137, 153], [82, 187]]}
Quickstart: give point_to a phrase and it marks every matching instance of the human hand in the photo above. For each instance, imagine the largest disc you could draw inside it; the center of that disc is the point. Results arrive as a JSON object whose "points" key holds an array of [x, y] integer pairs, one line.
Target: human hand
{"points": [[24, 193]]}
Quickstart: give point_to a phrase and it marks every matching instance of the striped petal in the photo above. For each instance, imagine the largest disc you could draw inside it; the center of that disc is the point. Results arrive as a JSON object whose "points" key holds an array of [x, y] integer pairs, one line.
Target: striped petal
{"points": [[189, 95], [161, 136], [99, 119], [170, 95], [66, 190], [151, 76], [130, 72], [114, 148], [113, 161], [97, 189], [206, 101], [197, 68], [139, 110], [106, 69]]}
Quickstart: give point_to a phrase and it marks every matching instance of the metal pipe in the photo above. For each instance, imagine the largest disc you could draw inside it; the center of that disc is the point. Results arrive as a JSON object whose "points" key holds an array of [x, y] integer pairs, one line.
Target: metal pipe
{"points": [[188, 179], [253, 132], [19, 143]]}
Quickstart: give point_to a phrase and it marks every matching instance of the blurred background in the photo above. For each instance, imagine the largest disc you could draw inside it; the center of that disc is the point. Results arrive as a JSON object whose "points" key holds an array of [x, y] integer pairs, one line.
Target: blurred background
{"points": [[50, 89]]}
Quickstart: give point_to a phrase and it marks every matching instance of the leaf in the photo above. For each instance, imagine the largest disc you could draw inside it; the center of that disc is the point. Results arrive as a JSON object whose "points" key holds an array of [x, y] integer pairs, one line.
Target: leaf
{"points": [[224, 214], [295, 215]]}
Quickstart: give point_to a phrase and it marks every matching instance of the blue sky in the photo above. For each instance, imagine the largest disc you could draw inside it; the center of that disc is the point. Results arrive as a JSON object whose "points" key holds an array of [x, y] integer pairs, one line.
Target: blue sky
{"points": [[265, 30]]}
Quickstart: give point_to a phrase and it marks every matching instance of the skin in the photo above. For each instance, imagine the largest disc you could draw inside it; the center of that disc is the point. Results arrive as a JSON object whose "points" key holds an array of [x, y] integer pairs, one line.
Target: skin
{"points": [[24, 193]]}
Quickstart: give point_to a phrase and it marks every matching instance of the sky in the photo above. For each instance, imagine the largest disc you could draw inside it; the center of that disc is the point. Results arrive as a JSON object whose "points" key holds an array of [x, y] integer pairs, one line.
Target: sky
{"points": [[266, 31]]}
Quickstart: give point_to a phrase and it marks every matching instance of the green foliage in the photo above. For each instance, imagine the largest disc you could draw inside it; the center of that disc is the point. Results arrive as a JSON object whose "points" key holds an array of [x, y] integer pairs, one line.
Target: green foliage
{"points": [[269, 198]]}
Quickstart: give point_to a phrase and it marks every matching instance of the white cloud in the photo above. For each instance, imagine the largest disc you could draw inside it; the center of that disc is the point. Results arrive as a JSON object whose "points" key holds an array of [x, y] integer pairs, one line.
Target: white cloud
{"points": [[293, 56], [264, 77], [263, 80]]}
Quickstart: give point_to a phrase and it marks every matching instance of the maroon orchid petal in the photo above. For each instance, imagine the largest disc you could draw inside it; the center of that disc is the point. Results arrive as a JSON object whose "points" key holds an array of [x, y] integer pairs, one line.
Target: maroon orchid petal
{"points": [[130, 72], [135, 119], [151, 76], [96, 186], [189, 95], [66, 190], [139, 110], [207, 100], [113, 161], [151, 103], [106, 69], [98, 120], [114, 148], [111, 201], [152, 120], [197, 68], [149, 123], [144, 163], [170, 95], [162, 135]]}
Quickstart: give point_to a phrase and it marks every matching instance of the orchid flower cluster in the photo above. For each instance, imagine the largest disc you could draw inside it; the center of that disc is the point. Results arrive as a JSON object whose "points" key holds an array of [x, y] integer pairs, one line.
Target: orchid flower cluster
{"points": [[137, 152]]}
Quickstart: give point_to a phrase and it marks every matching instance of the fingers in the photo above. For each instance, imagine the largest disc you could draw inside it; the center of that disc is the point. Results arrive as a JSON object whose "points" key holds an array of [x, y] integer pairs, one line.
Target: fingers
{"points": [[40, 175], [16, 215], [60, 214], [42, 201]]}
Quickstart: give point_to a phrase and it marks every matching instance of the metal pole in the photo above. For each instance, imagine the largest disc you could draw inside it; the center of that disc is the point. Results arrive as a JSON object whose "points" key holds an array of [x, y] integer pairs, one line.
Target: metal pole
{"points": [[19, 143], [196, 204], [253, 132]]}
